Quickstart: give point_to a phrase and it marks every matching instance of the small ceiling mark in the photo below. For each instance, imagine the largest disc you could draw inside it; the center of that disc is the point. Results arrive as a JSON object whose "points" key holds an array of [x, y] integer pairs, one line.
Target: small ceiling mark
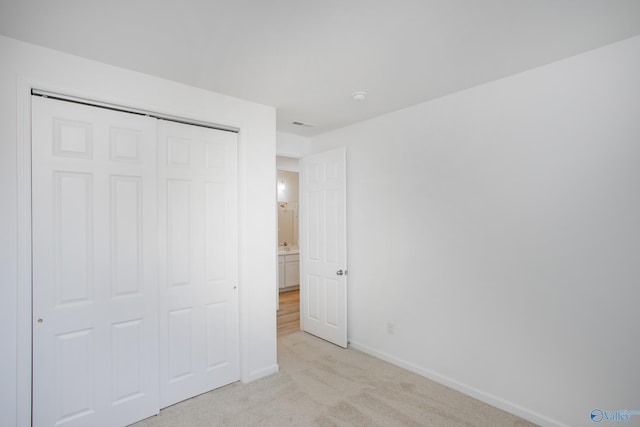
{"points": [[308, 125], [359, 96]]}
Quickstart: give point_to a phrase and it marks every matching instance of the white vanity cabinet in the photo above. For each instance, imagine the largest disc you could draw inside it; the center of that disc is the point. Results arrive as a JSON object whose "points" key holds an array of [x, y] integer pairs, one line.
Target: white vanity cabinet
{"points": [[291, 270], [280, 271], [288, 270]]}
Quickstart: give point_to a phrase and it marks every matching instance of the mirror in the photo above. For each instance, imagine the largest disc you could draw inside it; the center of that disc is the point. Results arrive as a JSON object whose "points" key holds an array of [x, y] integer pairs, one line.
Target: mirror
{"points": [[287, 188]]}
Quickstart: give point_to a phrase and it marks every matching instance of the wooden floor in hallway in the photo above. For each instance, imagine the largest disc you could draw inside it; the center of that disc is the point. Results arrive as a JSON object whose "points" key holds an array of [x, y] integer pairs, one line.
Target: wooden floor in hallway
{"points": [[289, 313]]}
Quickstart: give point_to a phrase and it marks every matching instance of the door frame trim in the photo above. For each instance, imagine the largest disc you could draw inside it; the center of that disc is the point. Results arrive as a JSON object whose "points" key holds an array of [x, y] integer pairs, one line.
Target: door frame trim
{"points": [[24, 291]]}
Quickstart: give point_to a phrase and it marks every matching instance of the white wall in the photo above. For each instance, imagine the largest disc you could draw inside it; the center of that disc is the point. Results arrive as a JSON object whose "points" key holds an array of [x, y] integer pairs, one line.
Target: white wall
{"points": [[24, 64], [291, 164], [291, 145], [498, 231], [290, 191]]}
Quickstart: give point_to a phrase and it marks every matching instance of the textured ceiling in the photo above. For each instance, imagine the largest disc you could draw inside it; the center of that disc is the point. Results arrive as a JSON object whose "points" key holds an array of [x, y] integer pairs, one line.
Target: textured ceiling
{"points": [[306, 58]]}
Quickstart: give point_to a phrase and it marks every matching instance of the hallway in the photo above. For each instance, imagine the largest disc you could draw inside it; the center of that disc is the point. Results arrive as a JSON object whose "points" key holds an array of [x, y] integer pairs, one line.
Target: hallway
{"points": [[289, 313]]}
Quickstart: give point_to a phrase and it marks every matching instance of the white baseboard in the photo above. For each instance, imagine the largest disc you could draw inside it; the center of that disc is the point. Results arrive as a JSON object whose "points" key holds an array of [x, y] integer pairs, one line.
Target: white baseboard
{"points": [[256, 375], [463, 388]]}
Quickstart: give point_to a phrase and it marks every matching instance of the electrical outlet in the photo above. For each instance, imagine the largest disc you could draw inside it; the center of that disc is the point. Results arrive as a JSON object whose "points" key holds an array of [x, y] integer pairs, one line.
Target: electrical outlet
{"points": [[390, 328]]}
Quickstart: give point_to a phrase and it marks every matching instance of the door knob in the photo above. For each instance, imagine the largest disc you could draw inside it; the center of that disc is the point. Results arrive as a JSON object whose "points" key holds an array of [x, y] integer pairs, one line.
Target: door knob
{"points": [[341, 273]]}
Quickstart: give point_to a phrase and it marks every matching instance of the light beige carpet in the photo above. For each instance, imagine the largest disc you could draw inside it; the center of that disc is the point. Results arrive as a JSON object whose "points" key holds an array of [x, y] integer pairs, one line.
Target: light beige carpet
{"points": [[320, 384]]}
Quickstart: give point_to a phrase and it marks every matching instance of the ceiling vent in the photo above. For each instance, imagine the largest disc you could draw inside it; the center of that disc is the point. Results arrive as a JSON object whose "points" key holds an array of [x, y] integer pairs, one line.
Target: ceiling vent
{"points": [[307, 125]]}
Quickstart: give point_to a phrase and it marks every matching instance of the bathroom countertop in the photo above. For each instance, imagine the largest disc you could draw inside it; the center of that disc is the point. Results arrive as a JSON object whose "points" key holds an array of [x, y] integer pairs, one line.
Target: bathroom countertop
{"points": [[289, 252]]}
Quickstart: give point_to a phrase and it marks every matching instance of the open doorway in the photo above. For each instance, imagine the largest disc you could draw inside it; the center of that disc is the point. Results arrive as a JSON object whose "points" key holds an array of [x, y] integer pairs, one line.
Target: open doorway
{"points": [[321, 261], [287, 205]]}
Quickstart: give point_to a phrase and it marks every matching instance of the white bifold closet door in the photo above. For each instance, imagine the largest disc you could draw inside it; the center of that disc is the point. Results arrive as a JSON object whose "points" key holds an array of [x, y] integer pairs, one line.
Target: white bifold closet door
{"points": [[134, 263], [197, 177], [95, 315]]}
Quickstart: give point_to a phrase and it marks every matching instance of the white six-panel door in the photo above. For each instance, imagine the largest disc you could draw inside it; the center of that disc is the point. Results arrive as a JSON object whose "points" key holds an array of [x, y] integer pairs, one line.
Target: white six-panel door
{"points": [[323, 287], [198, 260], [135, 252], [95, 317]]}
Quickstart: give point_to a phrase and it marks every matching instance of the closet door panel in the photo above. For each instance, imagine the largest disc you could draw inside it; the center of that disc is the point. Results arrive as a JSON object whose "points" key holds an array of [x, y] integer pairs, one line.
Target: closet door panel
{"points": [[197, 176], [95, 317]]}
